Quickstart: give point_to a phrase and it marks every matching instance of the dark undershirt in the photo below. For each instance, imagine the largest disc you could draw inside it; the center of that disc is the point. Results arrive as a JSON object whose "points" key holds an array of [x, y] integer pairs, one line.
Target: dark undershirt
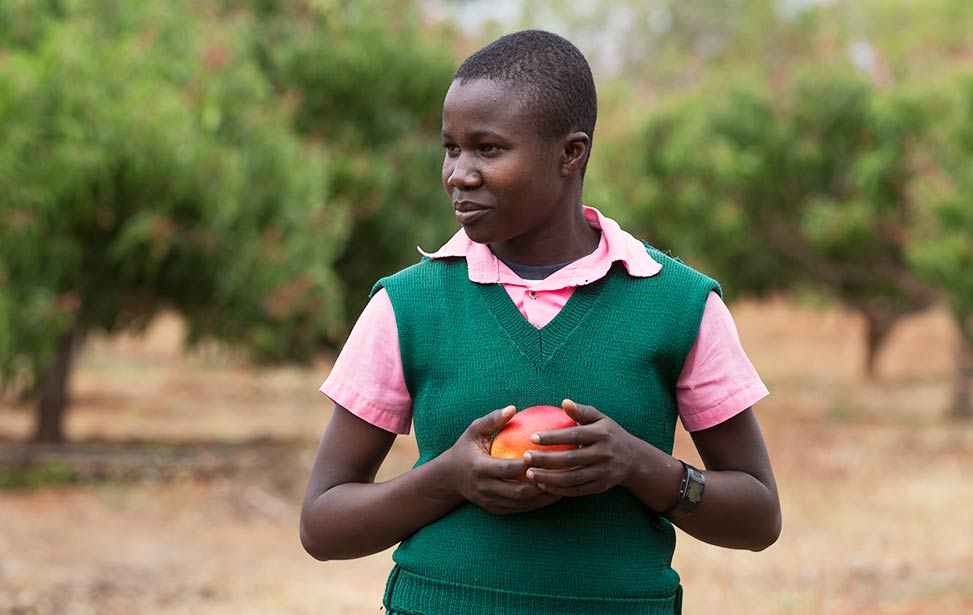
{"points": [[537, 272]]}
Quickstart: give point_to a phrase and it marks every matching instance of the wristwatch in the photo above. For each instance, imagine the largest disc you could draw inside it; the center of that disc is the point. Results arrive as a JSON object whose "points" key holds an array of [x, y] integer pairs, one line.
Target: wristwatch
{"points": [[690, 493]]}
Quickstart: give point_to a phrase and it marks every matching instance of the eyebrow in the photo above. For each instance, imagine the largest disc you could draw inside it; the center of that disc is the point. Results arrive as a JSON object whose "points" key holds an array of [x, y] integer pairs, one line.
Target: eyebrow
{"points": [[476, 134]]}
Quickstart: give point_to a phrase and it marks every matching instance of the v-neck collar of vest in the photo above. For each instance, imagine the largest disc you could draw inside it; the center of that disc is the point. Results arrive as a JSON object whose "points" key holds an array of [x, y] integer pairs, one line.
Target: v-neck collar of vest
{"points": [[539, 345]]}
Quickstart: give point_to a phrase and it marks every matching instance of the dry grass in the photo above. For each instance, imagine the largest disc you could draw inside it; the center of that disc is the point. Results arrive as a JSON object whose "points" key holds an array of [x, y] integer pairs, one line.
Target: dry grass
{"points": [[878, 505]]}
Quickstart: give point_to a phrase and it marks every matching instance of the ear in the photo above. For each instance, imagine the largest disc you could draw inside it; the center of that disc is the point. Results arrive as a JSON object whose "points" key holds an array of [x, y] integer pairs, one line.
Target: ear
{"points": [[574, 153]]}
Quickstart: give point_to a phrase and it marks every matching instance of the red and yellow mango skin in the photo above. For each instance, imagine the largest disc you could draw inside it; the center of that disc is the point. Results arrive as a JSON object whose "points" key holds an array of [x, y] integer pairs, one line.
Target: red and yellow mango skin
{"points": [[513, 439]]}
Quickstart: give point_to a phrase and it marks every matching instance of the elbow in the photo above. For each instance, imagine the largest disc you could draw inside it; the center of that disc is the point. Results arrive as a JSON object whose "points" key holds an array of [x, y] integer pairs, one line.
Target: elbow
{"points": [[312, 542], [313, 549], [770, 534]]}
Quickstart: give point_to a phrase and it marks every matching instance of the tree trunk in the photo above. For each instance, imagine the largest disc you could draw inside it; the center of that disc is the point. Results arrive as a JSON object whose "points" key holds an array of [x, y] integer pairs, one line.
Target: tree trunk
{"points": [[49, 425], [878, 325], [963, 394]]}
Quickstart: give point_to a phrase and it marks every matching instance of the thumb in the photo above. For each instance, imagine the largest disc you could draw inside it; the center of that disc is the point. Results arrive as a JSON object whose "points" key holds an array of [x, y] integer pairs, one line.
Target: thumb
{"points": [[488, 425], [579, 412]]}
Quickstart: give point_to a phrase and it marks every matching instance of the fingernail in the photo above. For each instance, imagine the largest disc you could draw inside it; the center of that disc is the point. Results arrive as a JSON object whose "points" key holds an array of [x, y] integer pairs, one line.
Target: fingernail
{"points": [[527, 457], [530, 475], [536, 439], [541, 486]]}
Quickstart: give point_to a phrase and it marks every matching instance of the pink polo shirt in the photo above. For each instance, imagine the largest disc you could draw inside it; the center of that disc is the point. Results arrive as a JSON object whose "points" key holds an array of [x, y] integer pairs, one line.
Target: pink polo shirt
{"points": [[717, 382]]}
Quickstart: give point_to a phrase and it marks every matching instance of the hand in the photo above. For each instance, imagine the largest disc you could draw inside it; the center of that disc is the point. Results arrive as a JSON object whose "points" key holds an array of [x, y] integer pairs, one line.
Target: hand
{"points": [[491, 483], [608, 455]]}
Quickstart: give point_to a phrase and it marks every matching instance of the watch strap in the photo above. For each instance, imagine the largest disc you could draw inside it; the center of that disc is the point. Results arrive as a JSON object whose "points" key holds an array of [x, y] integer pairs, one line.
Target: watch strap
{"points": [[690, 493]]}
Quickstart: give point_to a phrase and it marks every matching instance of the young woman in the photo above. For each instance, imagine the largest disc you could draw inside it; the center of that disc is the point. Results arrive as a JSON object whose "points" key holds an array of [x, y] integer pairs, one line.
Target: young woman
{"points": [[538, 300]]}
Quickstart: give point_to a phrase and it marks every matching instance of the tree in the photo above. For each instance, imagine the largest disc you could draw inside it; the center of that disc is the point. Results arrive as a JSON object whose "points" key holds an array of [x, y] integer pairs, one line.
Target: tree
{"points": [[800, 184], [147, 166], [942, 240], [367, 81]]}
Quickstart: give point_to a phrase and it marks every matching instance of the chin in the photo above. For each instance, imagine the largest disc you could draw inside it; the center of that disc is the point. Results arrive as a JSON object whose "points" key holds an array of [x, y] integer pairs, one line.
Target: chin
{"points": [[478, 234]]}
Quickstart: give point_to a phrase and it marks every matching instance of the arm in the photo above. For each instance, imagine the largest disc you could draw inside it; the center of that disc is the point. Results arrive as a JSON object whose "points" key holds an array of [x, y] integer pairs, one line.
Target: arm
{"points": [[740, 506], [739, 509], [346, 514]]}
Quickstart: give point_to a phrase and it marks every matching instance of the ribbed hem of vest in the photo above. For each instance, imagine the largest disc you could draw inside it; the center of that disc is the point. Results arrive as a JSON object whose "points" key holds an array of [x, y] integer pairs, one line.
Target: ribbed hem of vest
{"points": [[411, 594]]}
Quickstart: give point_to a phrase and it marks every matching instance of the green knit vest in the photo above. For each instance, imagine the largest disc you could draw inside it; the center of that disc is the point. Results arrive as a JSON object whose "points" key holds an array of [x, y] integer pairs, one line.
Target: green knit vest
{"points": [[619, 344]]}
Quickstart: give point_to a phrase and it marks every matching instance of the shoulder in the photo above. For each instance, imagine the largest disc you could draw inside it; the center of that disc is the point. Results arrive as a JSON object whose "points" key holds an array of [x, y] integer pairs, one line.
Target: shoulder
{"points": [[427, 272], [676, 271]]}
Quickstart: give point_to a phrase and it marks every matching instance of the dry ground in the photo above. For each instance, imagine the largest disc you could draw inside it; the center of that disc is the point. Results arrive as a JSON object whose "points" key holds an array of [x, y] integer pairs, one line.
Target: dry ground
{"points": [[875, 485]]}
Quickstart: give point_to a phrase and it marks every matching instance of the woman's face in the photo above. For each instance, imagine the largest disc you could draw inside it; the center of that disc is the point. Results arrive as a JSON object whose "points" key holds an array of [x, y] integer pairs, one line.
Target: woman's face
{"points": [[504, 180]]}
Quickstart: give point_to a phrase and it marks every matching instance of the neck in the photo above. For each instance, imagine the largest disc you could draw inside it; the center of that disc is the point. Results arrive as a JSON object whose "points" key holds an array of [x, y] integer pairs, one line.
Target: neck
{"points": [[567, 238]]}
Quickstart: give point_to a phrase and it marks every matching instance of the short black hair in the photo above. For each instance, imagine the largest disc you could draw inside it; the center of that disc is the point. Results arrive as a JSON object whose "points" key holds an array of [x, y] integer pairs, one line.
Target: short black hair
{"points": [[551, 74]]}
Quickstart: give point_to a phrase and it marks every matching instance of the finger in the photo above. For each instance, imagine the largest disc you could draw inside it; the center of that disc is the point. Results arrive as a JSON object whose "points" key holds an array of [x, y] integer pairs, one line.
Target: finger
{"points": [[512, 490], [563, 479], [563, 459], [502, 469], [488, 425], [581, 413], [570, 483], [569, 435]]}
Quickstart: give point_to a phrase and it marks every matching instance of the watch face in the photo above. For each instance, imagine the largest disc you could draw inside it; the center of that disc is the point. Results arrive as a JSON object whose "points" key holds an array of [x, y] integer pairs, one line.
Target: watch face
{"points": [[694, 491]]}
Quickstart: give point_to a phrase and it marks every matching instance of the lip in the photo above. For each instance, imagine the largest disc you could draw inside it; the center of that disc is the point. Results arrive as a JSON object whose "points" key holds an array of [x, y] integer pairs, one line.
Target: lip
{"points": [[467, 212]]}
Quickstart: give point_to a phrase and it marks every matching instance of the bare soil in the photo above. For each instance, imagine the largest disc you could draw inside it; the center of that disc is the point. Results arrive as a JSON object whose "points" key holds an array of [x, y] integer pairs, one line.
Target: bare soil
{"points": [[189, 470]]}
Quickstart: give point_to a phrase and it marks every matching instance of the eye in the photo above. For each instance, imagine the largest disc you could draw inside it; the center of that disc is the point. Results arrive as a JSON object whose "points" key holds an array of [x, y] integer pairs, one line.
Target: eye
{"points": [[451, 150], [490, 148]]}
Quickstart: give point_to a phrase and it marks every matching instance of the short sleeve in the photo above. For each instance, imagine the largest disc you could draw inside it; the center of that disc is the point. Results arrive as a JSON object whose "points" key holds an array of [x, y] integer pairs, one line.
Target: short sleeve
{"points": [[367, 376], [718, 380]]}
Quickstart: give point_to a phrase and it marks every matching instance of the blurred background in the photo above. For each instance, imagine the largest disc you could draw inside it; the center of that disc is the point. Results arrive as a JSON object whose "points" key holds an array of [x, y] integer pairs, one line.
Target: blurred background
{"points": [[195, 198]]}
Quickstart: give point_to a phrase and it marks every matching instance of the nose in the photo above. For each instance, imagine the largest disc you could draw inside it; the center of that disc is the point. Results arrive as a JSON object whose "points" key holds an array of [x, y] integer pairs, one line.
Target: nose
{"points": [[462, 173]]}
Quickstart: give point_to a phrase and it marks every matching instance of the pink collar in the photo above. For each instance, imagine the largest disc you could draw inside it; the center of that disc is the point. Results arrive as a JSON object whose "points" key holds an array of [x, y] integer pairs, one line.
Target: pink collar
{"points": [[615, 245]]}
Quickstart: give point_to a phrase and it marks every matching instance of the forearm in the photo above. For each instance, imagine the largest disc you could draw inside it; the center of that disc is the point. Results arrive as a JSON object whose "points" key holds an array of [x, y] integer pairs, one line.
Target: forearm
{"points": [[737, 510], [346, 514], [739, 507], [355, 519]]}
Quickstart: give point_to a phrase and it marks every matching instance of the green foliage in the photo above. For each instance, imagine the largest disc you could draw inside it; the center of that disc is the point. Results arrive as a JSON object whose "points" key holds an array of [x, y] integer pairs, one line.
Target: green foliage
{"points": [[367, 81], [24, 22], [912, 40], [942, 242], [147, 164], [35, 476], [802, 184], [253, 164]]}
